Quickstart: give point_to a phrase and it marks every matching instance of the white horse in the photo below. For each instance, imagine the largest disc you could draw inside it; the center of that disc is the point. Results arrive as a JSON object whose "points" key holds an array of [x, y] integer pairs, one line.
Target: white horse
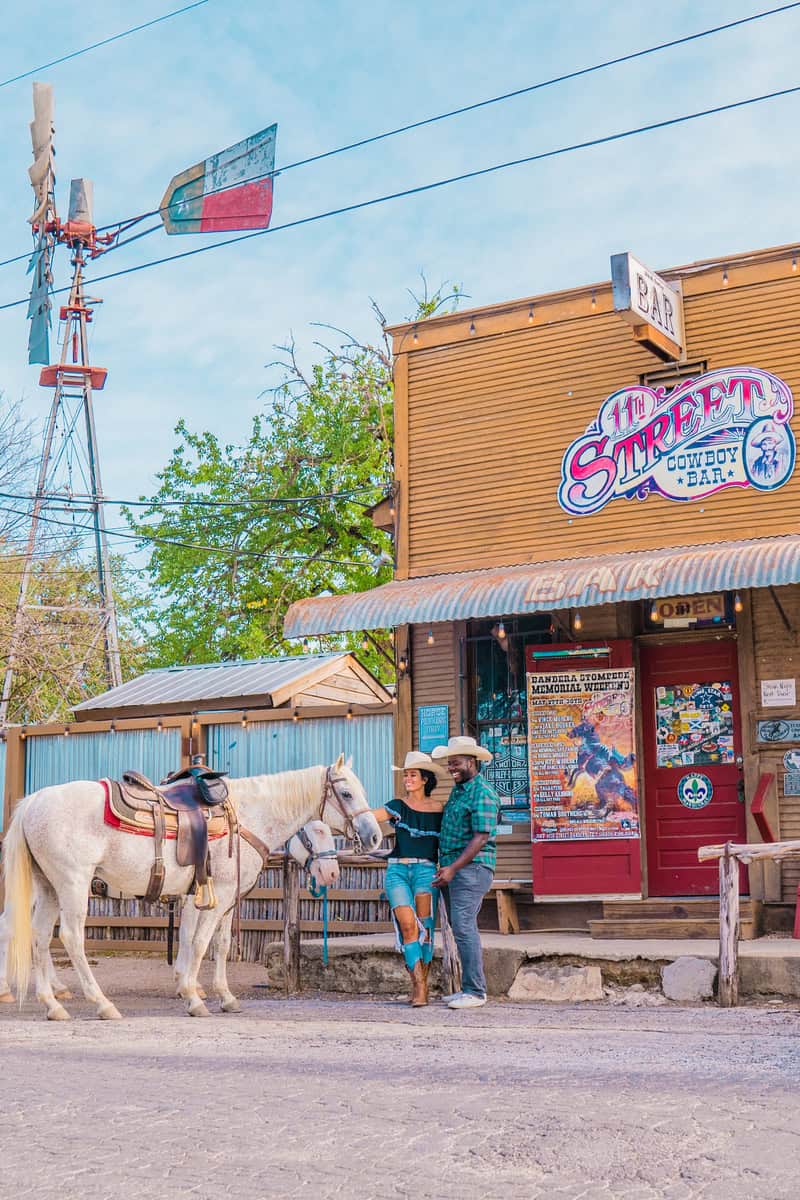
{"points": [[58, 841], [312, 847]]}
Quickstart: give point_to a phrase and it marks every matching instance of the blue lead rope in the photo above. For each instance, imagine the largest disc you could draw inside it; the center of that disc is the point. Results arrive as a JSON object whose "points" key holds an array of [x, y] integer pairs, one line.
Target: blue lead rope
{"points": [[321, 893]]}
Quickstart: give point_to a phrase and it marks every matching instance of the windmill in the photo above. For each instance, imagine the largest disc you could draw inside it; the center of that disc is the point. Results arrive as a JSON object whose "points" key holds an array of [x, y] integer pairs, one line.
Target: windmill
{"points": [[230, 190]]}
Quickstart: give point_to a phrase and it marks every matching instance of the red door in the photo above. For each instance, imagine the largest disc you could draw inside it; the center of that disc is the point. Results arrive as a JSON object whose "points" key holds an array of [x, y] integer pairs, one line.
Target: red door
{"points": [[692, 761]]}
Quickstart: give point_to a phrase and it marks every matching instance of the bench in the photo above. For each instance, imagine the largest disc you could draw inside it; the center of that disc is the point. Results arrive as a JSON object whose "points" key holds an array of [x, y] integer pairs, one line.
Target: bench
{"points": [[504, 891]]}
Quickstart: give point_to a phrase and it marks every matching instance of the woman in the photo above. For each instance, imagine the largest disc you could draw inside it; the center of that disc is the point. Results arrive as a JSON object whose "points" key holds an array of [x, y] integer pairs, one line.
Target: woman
{"points": [[416, 822]]}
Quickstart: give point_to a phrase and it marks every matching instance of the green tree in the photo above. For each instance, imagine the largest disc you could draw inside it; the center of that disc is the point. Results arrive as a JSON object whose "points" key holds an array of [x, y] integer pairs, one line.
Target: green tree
{"points": [[237, 533]]}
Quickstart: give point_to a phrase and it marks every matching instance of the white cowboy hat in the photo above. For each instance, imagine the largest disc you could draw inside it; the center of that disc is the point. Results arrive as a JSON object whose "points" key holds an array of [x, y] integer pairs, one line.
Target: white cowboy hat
{"points": [[462, 745], [415, 760]]}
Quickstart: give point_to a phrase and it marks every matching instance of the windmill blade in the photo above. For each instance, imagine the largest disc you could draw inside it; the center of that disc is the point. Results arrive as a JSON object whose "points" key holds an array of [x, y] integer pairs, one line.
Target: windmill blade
{"points": [[230, 190], [43, 181]]}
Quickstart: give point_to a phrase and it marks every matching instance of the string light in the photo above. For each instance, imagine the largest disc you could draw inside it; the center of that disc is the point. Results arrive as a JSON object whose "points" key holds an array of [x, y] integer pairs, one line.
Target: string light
{"points": [[22, 734], [66, 731], [112, 728], [725, 277], [244, 720], [530, 315], [594, 300], [577, 623], [365, 642], [738, 605], [794, 262], [416, 336], [472, 329], [430, 639], [306, 646], [655, 615], [160, 725], [392, 510], [402, 664], [349, 713], [501, 631], [295, 716]]}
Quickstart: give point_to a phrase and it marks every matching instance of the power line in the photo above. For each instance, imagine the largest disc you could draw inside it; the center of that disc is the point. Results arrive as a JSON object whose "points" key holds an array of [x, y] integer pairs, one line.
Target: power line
{"points": [[200, 502], [428, 187], [457, 112], [229, 551], [105, 42]]}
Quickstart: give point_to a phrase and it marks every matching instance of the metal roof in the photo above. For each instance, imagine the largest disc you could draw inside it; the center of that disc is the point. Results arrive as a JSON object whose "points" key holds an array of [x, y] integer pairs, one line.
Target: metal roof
{"points": [[538, 587], [212, 684]]}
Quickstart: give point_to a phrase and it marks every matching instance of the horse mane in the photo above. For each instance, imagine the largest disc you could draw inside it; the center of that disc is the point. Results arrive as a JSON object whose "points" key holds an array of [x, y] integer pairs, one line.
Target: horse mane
{"points": [[287, 793]]}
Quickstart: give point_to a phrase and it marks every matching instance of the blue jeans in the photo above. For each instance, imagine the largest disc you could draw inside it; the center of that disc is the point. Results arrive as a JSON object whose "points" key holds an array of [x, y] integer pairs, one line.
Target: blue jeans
{"points": [[404, 882], [463, 899]]}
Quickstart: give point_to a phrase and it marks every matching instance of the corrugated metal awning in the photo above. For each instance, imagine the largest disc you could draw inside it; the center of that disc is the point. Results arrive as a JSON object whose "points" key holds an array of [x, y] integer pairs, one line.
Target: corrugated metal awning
{"points": [[540, 587]]}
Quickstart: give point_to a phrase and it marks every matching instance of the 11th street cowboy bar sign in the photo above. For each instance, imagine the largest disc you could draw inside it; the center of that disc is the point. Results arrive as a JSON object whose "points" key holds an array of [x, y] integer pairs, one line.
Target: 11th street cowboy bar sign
{"points": [[725, 429]]}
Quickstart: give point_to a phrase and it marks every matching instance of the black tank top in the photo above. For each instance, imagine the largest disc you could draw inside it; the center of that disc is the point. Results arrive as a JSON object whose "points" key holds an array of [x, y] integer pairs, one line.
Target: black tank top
{"points": [[416, 833]]}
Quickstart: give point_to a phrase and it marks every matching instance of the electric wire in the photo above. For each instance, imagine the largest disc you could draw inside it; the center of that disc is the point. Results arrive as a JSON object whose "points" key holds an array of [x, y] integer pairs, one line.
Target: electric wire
{"points": [[200, 502], [669, 122], [478, 104], [105, 42]]}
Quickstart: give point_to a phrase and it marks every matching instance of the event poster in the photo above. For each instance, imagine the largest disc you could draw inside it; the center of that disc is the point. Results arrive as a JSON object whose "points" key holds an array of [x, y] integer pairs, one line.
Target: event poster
{"points": [[582, 755]]}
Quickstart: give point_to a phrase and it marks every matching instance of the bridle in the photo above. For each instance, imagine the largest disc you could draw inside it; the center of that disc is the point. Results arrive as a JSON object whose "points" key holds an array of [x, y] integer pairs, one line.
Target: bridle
{"points": [[312, 854], [330, 795]]}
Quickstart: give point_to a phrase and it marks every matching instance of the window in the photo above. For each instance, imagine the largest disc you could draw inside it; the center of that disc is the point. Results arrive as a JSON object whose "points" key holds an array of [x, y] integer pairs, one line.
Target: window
{"points": [[497, 698]]}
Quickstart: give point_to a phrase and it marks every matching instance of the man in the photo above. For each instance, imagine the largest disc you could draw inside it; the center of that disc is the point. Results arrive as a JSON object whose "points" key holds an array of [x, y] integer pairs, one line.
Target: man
{"points": [[467, 858]]}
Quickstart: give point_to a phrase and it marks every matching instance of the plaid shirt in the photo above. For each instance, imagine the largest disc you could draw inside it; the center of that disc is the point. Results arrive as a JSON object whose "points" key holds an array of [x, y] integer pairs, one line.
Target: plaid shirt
{"points": [[472, 808]]}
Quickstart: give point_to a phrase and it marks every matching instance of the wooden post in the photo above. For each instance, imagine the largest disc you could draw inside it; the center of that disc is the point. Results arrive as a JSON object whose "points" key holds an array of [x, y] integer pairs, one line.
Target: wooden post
{"points": [[451, 963], [728, 929], [291, 925]]}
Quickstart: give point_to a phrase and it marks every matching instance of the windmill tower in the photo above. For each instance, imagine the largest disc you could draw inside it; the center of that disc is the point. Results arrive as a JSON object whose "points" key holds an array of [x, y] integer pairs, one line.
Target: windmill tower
{"points": [[67, 505]]}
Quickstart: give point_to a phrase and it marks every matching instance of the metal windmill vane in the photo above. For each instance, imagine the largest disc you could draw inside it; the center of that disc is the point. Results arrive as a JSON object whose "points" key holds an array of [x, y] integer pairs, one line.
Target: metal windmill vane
{"points": [[231, 190]]}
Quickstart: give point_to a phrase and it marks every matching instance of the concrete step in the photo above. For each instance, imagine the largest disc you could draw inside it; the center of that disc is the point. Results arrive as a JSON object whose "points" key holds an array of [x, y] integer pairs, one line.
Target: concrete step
{"points": [[676, 927]]}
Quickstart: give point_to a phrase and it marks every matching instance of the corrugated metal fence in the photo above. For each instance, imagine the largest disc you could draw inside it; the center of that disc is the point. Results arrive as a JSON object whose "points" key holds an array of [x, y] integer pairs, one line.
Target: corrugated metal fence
{"points": [[59, 759], [266, 747]]}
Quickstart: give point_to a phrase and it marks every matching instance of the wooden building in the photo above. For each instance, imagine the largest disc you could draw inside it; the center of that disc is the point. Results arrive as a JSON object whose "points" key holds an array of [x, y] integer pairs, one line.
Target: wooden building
{"points": [[596, 515]]}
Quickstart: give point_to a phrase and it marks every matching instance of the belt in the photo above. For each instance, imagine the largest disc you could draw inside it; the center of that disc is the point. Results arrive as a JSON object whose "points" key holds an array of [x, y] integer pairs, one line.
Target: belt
{"points": [[412, 860]]}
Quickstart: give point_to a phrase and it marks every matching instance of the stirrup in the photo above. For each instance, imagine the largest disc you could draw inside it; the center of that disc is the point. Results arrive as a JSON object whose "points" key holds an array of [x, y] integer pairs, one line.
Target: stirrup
{"points": [[205, 896]]}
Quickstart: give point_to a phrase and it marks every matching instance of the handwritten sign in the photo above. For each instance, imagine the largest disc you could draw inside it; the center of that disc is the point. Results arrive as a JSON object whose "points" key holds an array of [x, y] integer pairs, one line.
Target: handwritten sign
{"points": [[778, 693]]}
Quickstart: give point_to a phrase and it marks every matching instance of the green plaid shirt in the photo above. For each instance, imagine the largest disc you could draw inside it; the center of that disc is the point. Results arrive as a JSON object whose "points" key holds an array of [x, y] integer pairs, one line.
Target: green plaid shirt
{"points": [[472, 808]]}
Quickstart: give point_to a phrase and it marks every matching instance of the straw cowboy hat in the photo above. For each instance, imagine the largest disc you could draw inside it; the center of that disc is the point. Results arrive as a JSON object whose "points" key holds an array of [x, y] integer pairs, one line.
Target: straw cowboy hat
{"points": [[462, 745], [415, 760]]}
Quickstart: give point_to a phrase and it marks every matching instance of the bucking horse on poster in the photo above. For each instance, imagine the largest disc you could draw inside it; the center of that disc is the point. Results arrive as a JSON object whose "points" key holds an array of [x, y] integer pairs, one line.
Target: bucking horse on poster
{"points": [[604, 765]]}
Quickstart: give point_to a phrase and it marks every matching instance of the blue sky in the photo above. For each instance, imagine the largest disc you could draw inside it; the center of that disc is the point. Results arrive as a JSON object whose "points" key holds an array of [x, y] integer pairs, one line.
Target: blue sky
{"points": [[193, 339]]}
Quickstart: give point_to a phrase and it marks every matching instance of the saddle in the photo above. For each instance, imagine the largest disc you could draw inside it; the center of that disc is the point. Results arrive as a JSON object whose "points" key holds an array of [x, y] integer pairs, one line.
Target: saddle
{"points": [[190, 805]]}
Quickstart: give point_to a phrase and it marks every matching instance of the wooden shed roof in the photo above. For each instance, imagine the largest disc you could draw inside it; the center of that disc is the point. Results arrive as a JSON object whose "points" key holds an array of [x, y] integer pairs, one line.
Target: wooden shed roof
{"points": [[307, 680]]}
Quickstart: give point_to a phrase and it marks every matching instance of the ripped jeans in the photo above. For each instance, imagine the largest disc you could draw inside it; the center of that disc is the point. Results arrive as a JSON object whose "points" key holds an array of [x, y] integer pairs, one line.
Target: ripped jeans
{"points": [[405, 882]]}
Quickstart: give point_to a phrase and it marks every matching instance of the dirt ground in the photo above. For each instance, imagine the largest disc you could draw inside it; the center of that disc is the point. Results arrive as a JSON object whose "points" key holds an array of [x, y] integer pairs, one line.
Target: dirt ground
{"points": [[360, 1098]]}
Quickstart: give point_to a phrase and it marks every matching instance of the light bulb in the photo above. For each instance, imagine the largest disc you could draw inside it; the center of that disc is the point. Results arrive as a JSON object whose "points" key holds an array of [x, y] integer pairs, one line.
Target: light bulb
{"points": [[794, 262], [725, 277], [349, 713], [472, 328], [501, 631], [365, 643], [306, 646], [430, 638], [295, 716], [244, 720], [654, 613], [530, 315], [738, 606], [577, 623], [416, 335], [160, 726]]}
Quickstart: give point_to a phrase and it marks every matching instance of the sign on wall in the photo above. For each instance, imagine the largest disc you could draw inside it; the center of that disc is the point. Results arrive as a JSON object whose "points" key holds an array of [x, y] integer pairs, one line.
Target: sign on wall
{"points": [[725, 429], [433, 725], [777, 730], [581, 755], [643, 298], [778, 693]]}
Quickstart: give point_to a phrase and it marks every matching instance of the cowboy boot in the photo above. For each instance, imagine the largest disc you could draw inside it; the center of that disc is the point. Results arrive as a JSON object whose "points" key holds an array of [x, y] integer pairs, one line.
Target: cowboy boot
{"points": [[419, 995]]}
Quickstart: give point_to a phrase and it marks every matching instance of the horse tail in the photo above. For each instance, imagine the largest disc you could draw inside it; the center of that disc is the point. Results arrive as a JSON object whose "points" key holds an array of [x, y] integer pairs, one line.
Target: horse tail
{"points": [[18, 881]]}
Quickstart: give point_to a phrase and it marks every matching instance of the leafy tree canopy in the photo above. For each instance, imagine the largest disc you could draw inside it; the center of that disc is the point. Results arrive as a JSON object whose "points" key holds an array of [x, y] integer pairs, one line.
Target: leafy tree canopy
{"points": [[237, 533]]}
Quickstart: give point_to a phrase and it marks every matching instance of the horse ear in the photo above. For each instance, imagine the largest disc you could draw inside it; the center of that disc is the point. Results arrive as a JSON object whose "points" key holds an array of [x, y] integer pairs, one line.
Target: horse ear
{"points": [[349, 763], [339, 762]]}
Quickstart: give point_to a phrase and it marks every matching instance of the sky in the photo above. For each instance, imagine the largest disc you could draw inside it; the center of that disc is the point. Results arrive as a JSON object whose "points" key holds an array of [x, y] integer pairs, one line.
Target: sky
{"points": [[193, 339]]}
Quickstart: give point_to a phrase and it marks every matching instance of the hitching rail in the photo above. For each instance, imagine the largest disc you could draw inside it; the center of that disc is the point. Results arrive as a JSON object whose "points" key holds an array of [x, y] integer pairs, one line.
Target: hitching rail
{"points": [[730, 856]]}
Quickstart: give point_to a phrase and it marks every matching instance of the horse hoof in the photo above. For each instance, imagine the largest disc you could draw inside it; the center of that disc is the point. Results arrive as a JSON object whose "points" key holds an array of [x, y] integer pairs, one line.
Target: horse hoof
{"points": [[231, 1005], [109, 1012], [198, 1009], [6, 998], [57, 1013], [61, 994], [202, 993]]}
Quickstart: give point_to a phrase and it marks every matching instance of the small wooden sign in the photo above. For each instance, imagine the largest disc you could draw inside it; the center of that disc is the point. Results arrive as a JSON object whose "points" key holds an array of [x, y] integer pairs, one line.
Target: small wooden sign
{"points": [[650, 304]]}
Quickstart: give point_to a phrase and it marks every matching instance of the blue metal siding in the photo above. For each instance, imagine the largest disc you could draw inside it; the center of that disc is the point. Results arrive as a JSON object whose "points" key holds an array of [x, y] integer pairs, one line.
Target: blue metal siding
{"points": [[58, 759], [269, 746]]}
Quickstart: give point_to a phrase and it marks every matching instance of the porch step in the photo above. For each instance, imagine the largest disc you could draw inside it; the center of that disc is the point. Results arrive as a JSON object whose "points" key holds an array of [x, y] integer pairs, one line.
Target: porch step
{"points": [[670, 918], [687, 927]]}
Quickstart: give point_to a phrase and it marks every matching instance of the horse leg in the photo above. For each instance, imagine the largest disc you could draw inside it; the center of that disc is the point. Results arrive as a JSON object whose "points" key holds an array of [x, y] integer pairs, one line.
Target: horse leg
{"points": [[60, 990], [207, 921], [72, 902], [45, 911], [222, 946]]}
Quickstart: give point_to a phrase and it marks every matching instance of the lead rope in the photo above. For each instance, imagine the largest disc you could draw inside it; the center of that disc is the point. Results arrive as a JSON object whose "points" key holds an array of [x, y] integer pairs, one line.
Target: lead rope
{"points": [[233, 831], [321, 893]]}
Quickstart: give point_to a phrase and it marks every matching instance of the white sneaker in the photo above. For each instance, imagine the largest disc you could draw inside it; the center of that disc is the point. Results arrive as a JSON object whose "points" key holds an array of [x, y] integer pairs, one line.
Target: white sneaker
{"points": [[451, 996], [467, 1000]]}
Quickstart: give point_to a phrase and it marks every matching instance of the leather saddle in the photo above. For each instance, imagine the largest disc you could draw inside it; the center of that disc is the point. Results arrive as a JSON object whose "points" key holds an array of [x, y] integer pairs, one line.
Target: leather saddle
{"points": [[189, 803]]}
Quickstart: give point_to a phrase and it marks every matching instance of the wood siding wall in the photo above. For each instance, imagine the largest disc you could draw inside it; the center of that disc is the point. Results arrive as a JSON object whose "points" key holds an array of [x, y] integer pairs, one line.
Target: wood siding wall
{"points": [[489, 418], [435, 673]]}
